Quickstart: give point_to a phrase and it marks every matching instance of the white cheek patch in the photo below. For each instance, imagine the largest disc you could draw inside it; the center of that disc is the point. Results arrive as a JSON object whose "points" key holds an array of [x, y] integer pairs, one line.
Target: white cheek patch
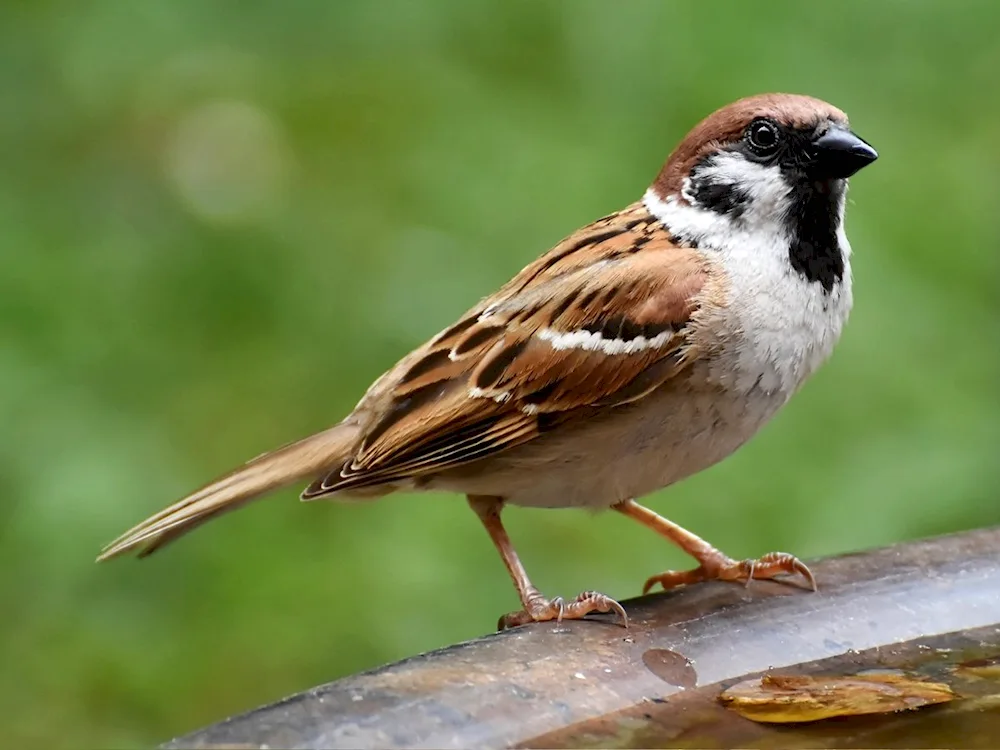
{"points": [[590, 341], [687, 193], [690, 221], [766, 188], [767, 202]]}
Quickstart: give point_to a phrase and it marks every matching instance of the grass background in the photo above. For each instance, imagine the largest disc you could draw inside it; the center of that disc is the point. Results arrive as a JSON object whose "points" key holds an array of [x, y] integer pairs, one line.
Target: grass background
{"points": [[220, 221]]}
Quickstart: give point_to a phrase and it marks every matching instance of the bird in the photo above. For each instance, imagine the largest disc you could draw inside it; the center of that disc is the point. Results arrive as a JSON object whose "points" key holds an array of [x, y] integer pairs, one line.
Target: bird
{"points": [[641, 349]]}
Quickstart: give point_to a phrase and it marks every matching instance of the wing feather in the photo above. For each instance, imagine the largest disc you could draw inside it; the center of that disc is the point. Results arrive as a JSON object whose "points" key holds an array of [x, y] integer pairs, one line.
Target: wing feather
{"points": [[602, 320]]}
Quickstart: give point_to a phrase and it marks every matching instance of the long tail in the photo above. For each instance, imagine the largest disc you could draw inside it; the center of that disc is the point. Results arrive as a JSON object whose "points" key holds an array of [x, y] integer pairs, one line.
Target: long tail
{"points": [[296, 461]]}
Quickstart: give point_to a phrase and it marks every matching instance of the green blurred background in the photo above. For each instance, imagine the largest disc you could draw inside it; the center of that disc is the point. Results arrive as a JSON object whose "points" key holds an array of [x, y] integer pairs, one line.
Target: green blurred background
{"points": [[221, 220]]}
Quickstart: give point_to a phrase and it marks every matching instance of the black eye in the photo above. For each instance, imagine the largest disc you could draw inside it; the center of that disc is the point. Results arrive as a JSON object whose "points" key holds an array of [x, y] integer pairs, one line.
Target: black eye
{"points": [[763, 137]]}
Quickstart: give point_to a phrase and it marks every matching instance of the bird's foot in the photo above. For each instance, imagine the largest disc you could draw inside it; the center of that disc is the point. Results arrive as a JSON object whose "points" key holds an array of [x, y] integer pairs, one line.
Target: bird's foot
{"points": [[719, 567], [539, 609]]}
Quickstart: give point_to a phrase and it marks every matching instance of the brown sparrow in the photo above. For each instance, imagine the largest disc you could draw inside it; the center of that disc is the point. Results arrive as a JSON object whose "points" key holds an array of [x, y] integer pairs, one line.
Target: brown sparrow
{"points": [[641, 349]]}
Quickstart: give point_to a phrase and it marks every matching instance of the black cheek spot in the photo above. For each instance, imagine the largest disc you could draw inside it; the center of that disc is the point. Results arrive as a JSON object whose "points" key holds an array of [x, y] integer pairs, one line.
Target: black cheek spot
{"points": [[721, 198]]}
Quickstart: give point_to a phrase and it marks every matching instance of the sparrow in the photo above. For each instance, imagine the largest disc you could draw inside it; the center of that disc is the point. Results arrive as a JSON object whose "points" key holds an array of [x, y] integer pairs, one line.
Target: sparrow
{"points": [[641, 349]]}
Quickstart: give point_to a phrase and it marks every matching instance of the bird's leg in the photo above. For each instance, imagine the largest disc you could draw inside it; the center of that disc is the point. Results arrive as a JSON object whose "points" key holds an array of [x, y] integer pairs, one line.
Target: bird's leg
{"points": [[712, 564], [536, 607]]}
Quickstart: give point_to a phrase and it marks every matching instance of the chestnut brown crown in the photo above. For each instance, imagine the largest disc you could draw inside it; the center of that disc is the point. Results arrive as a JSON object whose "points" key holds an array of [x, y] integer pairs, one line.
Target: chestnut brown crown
{"points": [[727, 127]]}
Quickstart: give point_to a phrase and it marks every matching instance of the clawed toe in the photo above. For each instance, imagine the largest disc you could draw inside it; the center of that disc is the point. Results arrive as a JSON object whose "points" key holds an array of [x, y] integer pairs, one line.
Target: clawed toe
{"points": [[712, 564], [722, 568], [540, 609], [773, 564]]}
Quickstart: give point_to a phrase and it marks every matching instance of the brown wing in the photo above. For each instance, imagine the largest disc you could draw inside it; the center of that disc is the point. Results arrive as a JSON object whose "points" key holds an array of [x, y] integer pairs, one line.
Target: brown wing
{"points": [[599, 321]]}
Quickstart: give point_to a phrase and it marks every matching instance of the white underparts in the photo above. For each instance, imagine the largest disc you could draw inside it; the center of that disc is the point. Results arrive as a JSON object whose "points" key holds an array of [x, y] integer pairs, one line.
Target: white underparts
{"points": [[779, 326], [591, 341]]}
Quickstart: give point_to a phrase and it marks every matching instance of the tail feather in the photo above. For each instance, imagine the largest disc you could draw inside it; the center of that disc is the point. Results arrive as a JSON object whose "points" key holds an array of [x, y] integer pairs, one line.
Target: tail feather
{"points": [[299, 460]]}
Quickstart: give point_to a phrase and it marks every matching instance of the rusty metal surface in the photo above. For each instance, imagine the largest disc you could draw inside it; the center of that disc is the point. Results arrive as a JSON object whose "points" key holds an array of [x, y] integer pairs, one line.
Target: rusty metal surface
{"points": [[554, 684]]}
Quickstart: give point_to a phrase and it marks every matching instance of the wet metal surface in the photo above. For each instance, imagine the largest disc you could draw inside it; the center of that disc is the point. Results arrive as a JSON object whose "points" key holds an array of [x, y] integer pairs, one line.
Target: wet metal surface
{"points": [[928, 605], [697, 719], [670, 667]]}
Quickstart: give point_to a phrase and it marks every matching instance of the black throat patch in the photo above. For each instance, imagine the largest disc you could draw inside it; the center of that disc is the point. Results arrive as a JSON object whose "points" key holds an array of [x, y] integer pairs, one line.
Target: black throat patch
{"points": [[815, 252], [812, 220]]}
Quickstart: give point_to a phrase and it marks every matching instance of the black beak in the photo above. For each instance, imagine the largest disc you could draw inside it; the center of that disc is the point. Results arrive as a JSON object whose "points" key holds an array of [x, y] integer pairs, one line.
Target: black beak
{"points": [[838, 154]]}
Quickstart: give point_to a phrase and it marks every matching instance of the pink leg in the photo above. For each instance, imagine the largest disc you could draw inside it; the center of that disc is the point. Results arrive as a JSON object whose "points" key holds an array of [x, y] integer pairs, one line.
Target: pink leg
{"points": [[536, 607], [712, 564]]}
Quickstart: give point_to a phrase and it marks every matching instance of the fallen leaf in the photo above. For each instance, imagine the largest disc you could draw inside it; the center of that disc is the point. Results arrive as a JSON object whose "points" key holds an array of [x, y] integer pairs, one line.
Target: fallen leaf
{"points": [[780, 699]]}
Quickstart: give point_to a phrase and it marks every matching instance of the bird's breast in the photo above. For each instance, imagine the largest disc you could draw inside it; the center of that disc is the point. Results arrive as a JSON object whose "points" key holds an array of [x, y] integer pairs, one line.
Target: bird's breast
{"points": [[776, 327]]}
